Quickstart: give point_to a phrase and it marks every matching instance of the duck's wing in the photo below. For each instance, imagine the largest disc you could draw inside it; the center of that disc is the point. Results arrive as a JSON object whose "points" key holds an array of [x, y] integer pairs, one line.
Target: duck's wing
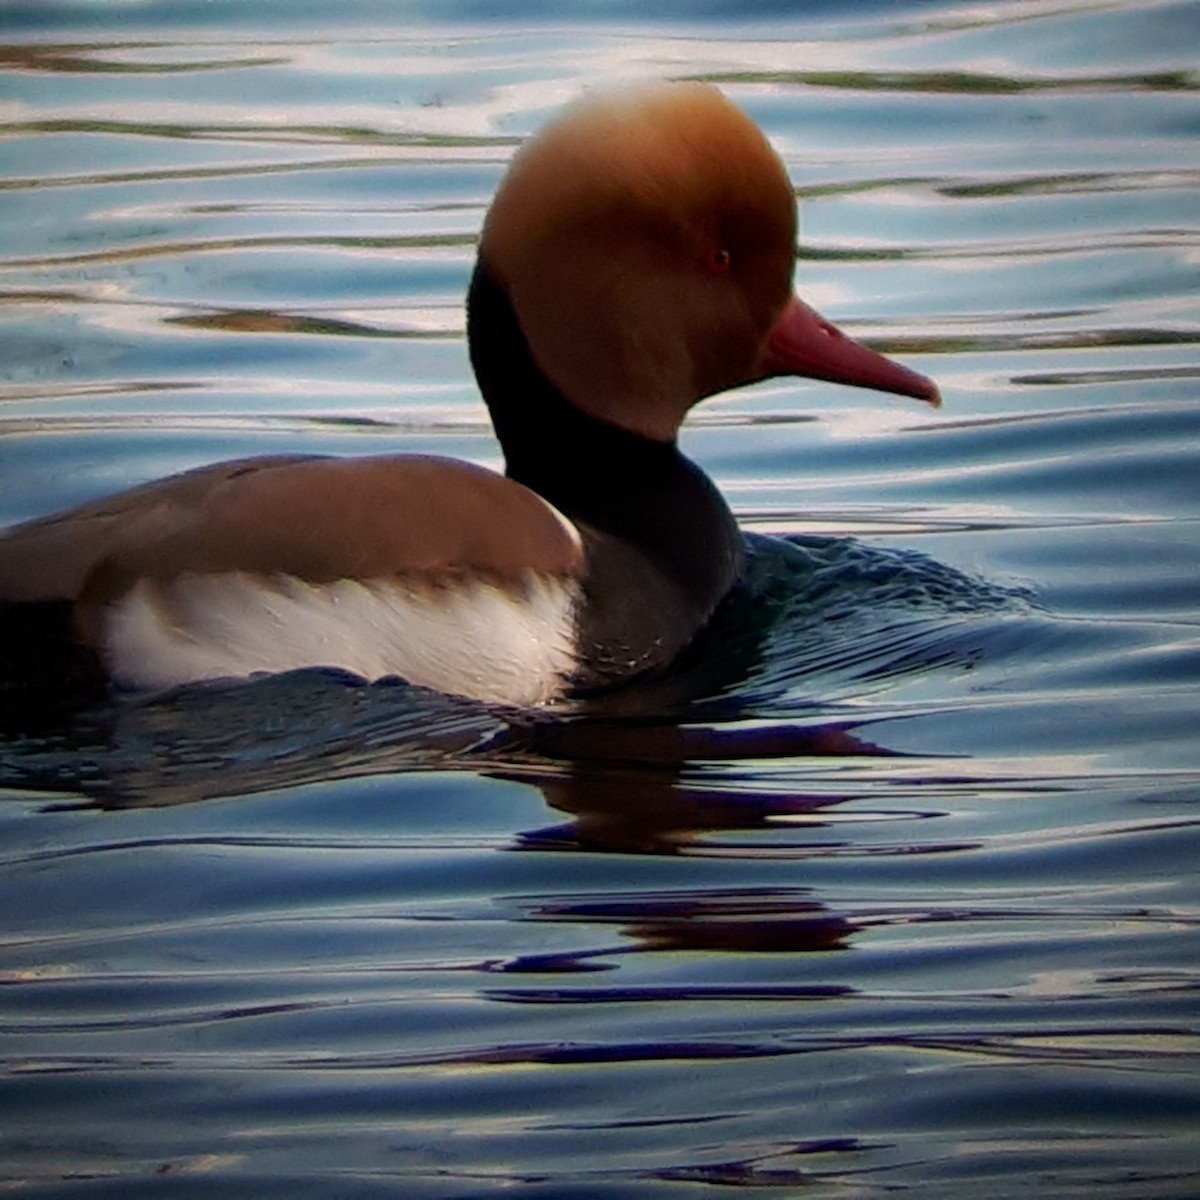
{"points": [[316, 519]]}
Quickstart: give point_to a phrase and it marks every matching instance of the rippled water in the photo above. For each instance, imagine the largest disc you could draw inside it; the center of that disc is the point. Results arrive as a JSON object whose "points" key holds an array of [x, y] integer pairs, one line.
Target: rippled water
{"points": [[890, 886]]}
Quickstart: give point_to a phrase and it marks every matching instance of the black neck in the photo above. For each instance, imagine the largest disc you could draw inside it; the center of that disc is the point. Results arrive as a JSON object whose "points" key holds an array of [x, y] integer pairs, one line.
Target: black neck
{"points": [[644, 492]]}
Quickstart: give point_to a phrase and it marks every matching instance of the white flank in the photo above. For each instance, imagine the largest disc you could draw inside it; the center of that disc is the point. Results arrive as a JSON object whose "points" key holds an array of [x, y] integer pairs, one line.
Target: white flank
{"points": [[471, 639]]}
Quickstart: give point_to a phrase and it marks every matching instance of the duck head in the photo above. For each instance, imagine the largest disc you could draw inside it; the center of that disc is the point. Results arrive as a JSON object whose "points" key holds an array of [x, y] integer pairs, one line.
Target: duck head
{"points": [[646, 243]]}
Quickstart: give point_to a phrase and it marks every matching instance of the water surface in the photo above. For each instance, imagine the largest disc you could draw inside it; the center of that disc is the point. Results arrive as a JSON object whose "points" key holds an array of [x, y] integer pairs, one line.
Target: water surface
{"points": [[890, 886]]}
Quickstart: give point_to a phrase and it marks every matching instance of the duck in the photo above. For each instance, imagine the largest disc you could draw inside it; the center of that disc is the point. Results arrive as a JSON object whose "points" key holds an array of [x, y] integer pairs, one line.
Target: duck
{"points": [[637, 258]]}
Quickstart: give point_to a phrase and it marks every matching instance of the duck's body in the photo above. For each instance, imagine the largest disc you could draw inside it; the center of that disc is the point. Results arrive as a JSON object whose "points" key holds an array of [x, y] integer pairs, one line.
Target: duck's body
{"points": [[637, 258]]}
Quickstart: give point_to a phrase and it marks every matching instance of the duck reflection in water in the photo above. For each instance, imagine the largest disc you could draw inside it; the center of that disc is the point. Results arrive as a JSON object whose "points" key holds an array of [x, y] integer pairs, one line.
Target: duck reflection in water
{"points": [[622, 779], [738, 920]]}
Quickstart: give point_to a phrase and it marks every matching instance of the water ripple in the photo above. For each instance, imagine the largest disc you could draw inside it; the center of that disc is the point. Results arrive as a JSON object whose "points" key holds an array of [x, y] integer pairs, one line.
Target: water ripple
{"points": [[888, 885]]}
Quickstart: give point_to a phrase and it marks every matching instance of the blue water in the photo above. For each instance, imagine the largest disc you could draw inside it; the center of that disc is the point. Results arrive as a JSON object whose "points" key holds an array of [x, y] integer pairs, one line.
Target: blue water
{"points": [[889, 887]]}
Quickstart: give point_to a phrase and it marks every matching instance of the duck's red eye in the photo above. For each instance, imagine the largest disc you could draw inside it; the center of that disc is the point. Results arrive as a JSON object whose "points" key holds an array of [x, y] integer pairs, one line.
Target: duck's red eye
{"points": [[717, 260]]}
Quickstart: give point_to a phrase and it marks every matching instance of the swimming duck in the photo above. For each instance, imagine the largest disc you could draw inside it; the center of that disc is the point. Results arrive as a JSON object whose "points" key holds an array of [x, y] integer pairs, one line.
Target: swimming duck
{"points": [[638, 257]]}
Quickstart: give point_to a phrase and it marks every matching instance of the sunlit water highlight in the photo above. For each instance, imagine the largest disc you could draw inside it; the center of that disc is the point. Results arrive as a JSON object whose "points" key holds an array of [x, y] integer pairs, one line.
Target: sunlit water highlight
{"points": [[890, 885]]}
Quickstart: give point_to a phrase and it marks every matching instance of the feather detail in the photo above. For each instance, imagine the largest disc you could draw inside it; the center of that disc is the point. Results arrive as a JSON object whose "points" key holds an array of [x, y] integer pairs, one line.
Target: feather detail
{"points": [[470, 637]]}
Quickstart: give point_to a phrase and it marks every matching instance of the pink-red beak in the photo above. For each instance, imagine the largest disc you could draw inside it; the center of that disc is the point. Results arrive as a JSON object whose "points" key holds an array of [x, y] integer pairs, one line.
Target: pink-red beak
{"points": [[804, 343]]}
